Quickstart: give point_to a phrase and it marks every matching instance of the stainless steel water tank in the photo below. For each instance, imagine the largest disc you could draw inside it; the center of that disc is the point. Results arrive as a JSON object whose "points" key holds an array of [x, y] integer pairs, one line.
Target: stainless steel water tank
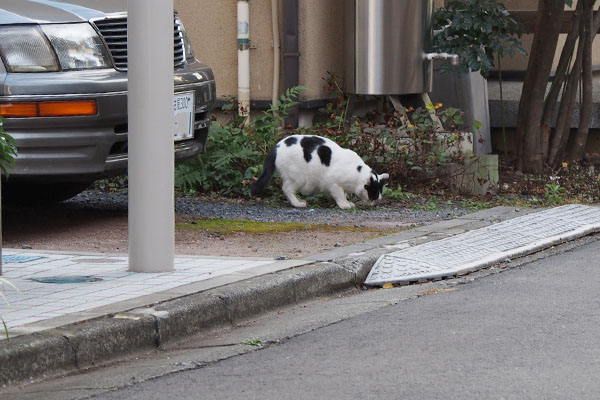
{"points": [[385, 46]]}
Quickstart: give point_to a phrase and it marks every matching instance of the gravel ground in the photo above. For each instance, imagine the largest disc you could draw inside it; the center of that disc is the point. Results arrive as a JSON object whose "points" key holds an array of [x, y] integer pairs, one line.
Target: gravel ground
{"points": [[230, 209], [96, 221]]}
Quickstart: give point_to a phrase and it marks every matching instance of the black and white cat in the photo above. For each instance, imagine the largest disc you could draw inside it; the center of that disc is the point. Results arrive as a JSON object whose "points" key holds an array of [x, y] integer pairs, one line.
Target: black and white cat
{"points": [[313, 164]]}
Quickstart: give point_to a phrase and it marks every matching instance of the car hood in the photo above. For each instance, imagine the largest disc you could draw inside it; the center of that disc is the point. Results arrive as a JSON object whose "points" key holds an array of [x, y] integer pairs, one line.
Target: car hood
{"points": [[53, 11]]}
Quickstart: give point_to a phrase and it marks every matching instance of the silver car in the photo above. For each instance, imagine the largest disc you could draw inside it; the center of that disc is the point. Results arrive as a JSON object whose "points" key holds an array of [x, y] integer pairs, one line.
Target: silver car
{"points": [[63, 93]]}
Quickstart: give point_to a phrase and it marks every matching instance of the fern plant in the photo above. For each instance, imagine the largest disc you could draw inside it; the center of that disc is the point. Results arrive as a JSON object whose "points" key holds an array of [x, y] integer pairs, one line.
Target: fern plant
{"points": [[235, 151], [476, 30]]}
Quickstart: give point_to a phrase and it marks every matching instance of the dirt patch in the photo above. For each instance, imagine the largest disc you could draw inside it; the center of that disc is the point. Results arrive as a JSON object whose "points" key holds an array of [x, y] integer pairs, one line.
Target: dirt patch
{"points": [[292, 244], [92, 230]]}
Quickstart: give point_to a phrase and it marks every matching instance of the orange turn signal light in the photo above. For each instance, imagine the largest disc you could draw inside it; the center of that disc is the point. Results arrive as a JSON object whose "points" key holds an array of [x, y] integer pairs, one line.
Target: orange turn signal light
{"points": [[49, 109], [18, 110]]}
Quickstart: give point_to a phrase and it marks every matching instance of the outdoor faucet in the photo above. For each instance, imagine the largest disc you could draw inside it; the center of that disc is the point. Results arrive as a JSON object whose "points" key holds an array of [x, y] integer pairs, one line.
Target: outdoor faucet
{"points": [[454, 59]]}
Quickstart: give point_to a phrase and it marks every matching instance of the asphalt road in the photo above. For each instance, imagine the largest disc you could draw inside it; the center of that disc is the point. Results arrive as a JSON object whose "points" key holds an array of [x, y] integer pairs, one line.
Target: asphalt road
{"points": [[527, 333]]}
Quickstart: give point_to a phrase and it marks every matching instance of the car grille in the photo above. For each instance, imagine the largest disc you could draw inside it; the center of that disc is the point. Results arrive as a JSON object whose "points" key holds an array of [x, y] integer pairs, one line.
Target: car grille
{"points": [[114, 33]]}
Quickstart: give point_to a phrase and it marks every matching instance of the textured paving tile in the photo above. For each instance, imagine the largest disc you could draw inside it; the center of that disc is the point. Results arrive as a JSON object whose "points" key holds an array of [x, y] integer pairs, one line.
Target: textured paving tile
{"points": [[479, 248], [13, 259], [37, 301]]}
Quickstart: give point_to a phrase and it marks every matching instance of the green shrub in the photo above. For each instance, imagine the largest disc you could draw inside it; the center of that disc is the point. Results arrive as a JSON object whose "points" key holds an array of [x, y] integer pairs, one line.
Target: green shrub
{"points": [[408, 144], [8, 150], [476, 30], [235, 151]]}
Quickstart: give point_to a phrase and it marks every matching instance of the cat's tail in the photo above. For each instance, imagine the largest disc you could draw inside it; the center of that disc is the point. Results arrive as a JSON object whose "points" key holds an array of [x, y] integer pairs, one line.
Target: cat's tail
{"points": [[268, 171]]}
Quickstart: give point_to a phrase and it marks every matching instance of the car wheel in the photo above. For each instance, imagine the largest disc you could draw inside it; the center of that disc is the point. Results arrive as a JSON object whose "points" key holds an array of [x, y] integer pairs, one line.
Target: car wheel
{"points": [[40, 193]]}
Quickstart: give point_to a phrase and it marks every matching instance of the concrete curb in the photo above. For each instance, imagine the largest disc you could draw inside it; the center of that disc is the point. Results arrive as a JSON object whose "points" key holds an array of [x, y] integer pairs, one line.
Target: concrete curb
{"points": [[88, 343]]}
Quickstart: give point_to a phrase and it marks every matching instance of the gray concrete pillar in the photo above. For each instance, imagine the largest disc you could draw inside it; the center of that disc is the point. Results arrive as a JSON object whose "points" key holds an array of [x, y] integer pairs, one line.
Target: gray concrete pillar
{"points": [[151, 158]]}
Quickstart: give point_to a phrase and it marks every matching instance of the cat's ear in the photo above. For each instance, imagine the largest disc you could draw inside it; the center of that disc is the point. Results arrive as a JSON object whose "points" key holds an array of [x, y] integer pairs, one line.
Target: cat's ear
{"points": [[384, 178]]}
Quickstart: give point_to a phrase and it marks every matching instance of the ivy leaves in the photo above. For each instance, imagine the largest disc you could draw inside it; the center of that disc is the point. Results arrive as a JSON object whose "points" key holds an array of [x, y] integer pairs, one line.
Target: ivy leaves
{"points": [[476, 30]]}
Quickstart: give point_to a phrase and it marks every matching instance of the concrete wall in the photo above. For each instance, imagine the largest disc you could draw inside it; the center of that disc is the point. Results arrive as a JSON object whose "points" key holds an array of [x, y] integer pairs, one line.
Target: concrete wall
{"points": [[321, 43], [212, 28]]}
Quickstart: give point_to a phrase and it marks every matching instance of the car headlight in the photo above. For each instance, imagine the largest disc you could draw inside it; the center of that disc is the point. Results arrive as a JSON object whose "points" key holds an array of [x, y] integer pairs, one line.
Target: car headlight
{"points": [[77, 46], [39, 48], [26, 49]]}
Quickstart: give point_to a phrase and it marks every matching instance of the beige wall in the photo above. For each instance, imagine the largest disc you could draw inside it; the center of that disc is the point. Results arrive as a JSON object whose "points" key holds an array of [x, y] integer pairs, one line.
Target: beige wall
{"points": [[212, 27], [321, 43]]}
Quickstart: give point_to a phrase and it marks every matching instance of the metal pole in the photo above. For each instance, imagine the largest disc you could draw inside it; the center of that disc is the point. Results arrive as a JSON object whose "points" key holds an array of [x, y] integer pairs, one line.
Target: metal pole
{"points": [[151, 158]]}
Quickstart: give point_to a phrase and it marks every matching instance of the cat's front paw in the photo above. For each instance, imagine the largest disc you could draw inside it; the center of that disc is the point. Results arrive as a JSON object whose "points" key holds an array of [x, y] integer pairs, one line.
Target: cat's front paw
{"points": [[346, 206], [299, 204]]}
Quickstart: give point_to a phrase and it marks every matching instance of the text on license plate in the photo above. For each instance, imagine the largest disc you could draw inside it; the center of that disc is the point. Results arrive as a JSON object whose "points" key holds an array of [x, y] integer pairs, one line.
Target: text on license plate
{"points": [[183, 116]]}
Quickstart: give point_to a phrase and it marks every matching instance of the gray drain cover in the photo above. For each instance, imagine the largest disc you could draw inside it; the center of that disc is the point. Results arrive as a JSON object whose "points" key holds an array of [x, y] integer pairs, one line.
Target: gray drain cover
{"points": [[482, 247], [66, 279]]}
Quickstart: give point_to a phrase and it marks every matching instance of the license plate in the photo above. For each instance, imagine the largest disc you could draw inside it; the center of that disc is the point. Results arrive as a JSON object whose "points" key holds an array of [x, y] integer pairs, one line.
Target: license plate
{"points": [[183, 116]]}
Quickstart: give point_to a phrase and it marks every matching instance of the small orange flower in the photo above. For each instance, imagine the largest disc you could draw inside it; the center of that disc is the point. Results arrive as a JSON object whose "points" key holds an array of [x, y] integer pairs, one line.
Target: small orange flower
{"points": [[438, 105], [565, 164]]}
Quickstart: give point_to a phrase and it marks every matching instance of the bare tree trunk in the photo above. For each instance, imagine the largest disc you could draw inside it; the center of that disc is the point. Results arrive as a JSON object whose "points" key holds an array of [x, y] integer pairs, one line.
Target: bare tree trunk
{"points": [[578, 142], [559, 80], [565, 111], [550, 13]]}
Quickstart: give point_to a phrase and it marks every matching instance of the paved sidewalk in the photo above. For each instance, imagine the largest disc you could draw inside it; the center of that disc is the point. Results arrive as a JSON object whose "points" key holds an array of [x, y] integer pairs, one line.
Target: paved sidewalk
{"points": [[59, 328], [55, 289]]}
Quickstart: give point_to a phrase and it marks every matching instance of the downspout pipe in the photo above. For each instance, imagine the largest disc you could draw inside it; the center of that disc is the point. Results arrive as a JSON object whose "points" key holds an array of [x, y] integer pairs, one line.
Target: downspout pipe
{"points": [[291, 54], [243, 43]]}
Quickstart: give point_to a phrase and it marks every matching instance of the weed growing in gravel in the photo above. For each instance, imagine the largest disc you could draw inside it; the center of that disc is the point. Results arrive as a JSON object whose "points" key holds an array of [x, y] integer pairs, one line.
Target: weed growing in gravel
{"points": [[476, 205], [397, 194], [253, 342], [552, 194], [431, 205], [111, 185]]}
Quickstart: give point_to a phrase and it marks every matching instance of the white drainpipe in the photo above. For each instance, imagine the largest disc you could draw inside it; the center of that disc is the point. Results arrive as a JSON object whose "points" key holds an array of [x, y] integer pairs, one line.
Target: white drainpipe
{"points": [[243, 41]]}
